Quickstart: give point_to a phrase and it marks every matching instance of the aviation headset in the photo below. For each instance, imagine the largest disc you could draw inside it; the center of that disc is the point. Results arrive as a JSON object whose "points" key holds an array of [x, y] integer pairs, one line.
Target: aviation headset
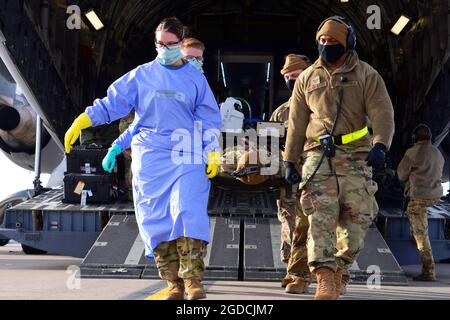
{"points": [[414, 136], [351, 34]]}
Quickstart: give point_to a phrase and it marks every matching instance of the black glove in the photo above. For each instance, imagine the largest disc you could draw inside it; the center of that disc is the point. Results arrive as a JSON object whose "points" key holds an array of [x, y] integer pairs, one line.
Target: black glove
{"points": [[376, 156], [291, 176]]}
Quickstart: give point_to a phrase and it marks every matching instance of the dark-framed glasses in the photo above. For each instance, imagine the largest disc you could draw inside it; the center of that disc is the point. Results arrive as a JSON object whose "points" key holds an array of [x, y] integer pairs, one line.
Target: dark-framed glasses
{"points": [[199, 59], [167, 45]]}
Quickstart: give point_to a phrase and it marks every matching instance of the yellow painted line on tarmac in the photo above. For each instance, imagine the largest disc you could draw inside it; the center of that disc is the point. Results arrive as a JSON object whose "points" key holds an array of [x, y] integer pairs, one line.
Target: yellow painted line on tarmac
{"points": [[159, 295]]}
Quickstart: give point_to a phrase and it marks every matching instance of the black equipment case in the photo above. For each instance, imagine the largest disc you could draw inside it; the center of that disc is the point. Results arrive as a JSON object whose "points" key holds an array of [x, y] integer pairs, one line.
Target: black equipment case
{"points": [[97, 188], [86, 159]]}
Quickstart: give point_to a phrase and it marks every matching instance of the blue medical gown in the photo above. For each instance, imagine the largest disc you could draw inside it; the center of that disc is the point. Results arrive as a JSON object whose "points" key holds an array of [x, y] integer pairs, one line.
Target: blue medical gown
{"points": [[177, 123]]}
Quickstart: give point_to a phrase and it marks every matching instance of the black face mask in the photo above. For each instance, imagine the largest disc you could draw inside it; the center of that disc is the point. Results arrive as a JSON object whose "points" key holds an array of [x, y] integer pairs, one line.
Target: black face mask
{"points": [[290, 84], [331, 53]]}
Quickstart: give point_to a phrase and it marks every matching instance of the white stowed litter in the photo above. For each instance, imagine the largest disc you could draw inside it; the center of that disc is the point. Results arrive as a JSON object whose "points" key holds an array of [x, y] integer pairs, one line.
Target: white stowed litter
{"points": [[232, 119]]}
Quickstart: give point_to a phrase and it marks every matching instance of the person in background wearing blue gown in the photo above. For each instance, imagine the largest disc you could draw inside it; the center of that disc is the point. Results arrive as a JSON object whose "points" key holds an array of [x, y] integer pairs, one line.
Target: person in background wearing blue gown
{"points": [[174, 106]]}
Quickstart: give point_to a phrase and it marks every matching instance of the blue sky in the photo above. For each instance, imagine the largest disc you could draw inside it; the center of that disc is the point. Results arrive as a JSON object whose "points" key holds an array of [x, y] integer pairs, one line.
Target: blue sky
{"points": [[14, 178]]}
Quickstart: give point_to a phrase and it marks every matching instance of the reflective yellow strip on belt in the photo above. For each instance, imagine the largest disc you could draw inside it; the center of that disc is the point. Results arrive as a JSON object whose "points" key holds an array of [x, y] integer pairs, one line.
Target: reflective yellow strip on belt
{"points": [[356, 135], [349, 137]]}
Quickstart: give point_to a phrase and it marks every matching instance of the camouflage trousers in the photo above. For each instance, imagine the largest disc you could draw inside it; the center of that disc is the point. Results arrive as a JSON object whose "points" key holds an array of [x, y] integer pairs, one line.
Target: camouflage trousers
{"points": [[294, 230], [340, 206], [418, 219], [180, 259], [123, 126], [128, 183], [287, 212]]}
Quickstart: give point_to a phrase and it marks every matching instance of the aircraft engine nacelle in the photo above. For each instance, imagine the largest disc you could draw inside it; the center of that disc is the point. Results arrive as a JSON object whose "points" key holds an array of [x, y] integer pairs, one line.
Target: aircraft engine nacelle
{"points": [[18, 138]]}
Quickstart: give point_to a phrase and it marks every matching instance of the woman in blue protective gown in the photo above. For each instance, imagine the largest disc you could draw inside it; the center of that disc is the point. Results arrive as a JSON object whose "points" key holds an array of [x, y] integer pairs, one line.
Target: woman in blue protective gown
{"points": [[175, 132]]}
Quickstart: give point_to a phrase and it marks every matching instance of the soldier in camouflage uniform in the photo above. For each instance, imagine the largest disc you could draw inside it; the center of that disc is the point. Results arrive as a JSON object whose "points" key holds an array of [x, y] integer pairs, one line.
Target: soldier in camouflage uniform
{"points": [[294, 224], [421, 169], [123, 125], [339, 198]]}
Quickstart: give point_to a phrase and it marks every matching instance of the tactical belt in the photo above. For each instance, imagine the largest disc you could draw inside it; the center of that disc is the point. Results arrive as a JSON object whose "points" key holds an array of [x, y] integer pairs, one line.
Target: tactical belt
{"points": [[347, 138]]}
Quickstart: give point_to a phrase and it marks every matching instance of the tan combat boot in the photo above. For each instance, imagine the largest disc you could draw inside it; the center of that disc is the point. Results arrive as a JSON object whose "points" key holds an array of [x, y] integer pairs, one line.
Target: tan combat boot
{"points": [[428, 269], [425, 277], [299, 286], [326, 288], [345, 280], [343, 287], [176, 290], [286, 280], [194, 289], [338, 282]]}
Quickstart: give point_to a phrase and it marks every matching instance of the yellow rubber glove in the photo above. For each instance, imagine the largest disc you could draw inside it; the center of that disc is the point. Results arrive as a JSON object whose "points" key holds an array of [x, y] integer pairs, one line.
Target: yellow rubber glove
{"points": [[213, 164], [82, 122]]}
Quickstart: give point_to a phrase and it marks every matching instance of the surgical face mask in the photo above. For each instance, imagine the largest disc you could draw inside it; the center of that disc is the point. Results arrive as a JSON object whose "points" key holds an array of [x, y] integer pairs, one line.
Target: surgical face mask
{"points": [[290, 84], [331, 53], [197, 64], [168, 56]]}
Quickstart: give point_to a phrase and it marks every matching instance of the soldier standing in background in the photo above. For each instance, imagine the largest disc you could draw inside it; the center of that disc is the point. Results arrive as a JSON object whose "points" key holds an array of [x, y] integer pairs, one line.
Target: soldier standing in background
{"points": [[421, 169], [294, 224]]}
